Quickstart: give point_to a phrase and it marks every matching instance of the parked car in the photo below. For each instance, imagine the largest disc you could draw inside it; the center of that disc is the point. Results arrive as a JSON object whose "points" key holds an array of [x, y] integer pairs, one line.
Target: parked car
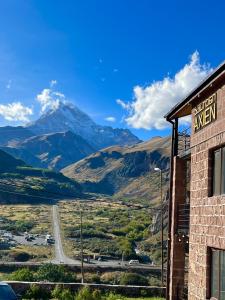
{"points": [[133, 262], [6, 292]]}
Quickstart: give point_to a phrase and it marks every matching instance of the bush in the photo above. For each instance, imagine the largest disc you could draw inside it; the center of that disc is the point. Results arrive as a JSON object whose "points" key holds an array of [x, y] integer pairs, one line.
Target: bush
{"points": [[112, 296], [111, 277], [37, 293], [54, 273], [95, 278], [62, 294], [23, 274], [133, 279], [19, 256], [86, 294], [154, 281], [22, 225]]}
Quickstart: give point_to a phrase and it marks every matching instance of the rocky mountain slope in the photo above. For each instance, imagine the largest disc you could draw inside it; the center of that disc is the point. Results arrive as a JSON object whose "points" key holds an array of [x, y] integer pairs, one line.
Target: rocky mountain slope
{"points": [[53, 150], [10, 135], [21, 183], [67, 117], [124, 171], [61, 137]]}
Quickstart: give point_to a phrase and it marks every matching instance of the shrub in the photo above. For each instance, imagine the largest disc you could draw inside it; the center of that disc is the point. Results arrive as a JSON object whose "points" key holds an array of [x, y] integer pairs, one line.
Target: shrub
{"points": [[62, 294], [111, 277], [23, 225], [133, 279], [37, 293], [154, 281], [86, 294], [95, 278], [112, 296], [54, 273], [19, 256], [23, 274]]}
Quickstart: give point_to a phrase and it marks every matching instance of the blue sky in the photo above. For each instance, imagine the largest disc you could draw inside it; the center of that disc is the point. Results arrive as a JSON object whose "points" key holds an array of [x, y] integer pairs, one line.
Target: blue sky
{"points": [[98, 51]]}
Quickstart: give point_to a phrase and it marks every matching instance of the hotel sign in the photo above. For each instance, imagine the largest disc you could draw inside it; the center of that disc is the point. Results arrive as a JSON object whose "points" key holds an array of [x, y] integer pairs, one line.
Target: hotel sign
{"points": [[205, 113]]}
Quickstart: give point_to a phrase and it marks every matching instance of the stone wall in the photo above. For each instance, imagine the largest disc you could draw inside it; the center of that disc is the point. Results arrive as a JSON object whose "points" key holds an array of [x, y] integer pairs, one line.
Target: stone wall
{"points": [[20, 287]]}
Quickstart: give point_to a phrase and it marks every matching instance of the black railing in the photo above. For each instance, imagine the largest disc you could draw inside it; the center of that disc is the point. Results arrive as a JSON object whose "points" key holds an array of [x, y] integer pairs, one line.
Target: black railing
{"points": [[183, 217], [184, 142]]}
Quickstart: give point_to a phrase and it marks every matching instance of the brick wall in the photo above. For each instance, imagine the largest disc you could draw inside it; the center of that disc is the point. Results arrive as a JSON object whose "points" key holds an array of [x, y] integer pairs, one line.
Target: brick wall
{"points": [[207, 214]]}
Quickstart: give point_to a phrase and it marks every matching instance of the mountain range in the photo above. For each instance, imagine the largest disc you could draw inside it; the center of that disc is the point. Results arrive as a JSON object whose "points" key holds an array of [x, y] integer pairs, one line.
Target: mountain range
{"points": [[60, 137], [124, 171]]}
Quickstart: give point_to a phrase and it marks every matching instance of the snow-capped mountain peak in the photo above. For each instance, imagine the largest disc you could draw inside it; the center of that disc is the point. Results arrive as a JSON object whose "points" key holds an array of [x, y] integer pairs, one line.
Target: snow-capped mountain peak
{"points": [[66, 116]]}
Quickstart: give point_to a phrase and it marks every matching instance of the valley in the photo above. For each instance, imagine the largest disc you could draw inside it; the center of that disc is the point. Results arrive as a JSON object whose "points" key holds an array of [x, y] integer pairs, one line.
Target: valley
{"points": [[63, 167]]}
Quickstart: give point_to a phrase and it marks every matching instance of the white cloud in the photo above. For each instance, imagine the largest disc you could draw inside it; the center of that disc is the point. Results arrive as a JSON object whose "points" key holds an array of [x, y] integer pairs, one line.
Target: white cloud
{"points": [[15, 111], [151, 103], [49, 99], [123, 104], [52, 83], [110, 119]]}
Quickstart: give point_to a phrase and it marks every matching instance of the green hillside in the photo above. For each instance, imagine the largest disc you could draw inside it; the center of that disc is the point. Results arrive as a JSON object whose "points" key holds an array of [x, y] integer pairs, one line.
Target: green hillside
{"points": [[22, 183]]}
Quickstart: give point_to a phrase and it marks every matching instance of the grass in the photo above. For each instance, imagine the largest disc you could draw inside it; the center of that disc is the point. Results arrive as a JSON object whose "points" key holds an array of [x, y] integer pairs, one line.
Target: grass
{"points": [[110, 227], [105, 223], [38, 217]]}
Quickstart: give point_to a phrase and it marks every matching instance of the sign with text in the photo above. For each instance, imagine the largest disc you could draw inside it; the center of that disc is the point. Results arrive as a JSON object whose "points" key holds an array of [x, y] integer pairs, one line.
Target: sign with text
{"points": [[205, 113]]}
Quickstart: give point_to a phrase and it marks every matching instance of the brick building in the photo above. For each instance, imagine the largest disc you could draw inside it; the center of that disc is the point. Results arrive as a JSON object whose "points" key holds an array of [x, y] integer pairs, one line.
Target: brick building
{"points": [[196, 237]]}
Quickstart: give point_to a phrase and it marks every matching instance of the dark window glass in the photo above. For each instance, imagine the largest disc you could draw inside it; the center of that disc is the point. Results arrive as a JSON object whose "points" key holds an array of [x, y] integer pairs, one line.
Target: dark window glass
{"points": [[215, 274], [217, 172], [218, 274], [223, 171], [222, 275]]}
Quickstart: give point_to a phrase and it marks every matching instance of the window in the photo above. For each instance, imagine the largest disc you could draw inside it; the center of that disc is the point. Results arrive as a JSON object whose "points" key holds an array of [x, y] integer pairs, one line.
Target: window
{"points": [[219, 171], [218, 274]]}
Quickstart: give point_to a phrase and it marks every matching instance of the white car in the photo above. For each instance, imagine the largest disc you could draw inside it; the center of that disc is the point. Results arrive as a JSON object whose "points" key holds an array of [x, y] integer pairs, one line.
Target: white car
{"points": [[133, 262]]}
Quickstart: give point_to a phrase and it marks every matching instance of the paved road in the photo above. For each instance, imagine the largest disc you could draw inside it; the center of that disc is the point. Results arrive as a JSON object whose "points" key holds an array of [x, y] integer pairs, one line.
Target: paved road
{"points": [[60, 256]]}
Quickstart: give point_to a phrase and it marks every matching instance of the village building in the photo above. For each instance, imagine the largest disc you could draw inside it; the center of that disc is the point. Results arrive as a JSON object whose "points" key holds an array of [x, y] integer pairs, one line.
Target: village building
{"points": [[196, 235]]}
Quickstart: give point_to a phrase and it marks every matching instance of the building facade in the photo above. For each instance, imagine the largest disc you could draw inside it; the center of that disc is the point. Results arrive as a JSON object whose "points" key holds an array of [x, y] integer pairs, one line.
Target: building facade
{"points": [[196, 237]]}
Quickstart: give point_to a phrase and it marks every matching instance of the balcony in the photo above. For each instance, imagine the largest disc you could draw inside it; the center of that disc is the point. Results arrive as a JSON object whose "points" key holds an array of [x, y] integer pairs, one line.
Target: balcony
{"points": [[184, 142], [183, 217]]}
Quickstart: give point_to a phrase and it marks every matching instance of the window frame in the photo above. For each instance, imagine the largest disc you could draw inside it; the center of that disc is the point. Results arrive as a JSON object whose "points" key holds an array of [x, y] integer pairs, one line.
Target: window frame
{"points": [[217, 297], [221, 151]]}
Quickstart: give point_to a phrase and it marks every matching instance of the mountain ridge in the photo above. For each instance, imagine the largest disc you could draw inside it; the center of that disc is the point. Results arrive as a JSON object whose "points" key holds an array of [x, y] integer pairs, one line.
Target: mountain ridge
{"points": [[60, 137], [52, 150], [68, 117], [120, 170]]}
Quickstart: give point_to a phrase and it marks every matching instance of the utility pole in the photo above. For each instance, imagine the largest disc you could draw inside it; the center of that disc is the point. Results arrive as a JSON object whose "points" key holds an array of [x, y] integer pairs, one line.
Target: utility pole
{"points": [[81, 245], [162, 225]]}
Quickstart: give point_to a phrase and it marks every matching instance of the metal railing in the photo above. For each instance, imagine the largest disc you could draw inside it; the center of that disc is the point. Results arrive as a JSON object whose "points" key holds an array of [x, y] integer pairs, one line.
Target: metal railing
{"points": [[184, 142], [183, 217]]}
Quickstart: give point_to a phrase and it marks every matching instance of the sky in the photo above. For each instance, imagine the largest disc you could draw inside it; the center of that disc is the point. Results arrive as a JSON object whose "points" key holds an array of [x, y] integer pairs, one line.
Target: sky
{"points": [[125, 63]]}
